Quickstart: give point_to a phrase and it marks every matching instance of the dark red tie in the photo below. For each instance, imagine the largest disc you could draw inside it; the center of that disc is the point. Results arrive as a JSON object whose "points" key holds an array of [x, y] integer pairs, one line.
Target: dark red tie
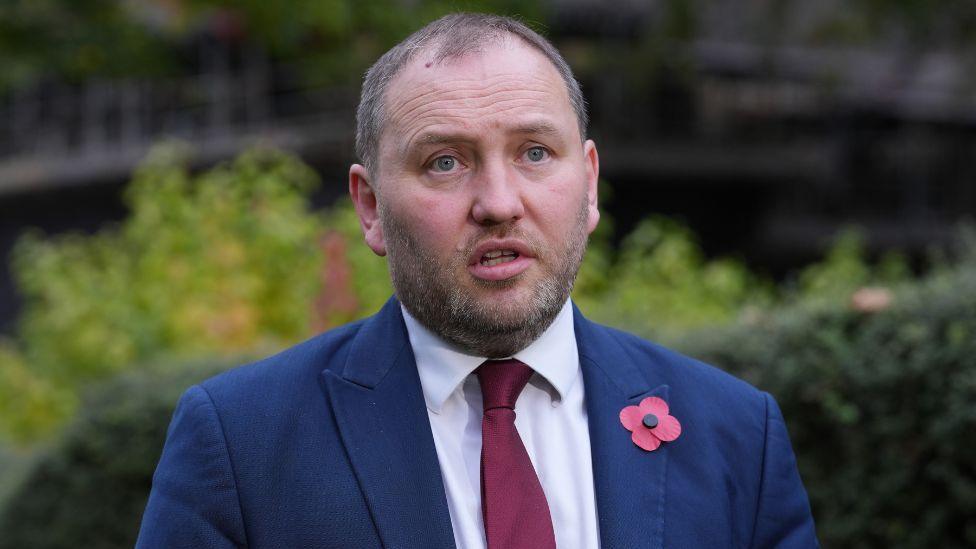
{"points": [[512, 501]]}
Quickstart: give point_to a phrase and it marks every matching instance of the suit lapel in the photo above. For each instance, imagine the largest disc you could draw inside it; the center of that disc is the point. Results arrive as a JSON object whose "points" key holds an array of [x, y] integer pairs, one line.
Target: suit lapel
{"points": [[629, 482], [380, 412]]}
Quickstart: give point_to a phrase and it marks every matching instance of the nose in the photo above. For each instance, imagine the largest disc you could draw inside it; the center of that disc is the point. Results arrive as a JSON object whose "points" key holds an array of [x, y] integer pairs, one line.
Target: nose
{"points": [[497, 195]]}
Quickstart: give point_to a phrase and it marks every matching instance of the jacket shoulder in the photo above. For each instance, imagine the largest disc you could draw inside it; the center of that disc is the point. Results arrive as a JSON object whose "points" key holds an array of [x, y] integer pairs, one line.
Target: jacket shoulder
{"points": [[292, 371]]}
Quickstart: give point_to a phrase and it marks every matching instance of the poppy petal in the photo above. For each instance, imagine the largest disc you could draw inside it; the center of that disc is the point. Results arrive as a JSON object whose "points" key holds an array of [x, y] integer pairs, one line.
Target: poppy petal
{"points": [[644, 439], [653, 405], [631, 417], [668, 428]]}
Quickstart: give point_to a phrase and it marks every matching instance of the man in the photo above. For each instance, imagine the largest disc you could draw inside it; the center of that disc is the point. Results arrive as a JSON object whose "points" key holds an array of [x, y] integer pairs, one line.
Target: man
{"points": [[401, 430]]}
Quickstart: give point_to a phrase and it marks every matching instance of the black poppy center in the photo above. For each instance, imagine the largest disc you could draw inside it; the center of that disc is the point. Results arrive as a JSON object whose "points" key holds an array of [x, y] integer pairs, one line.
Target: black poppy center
{"points": [[650, 421]]}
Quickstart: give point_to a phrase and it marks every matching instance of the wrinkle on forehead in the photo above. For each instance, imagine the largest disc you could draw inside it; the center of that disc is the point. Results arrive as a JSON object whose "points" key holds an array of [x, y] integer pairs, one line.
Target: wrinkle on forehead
{"points": [[468, 90], [472, 104], [468, 120], [530, 127]]}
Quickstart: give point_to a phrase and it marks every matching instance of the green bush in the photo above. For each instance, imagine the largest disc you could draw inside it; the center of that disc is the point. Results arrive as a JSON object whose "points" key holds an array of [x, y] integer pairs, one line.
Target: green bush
{"points": [[659, 282], [845, 269], [880, 401], [227, 261], [90, 488], [333, 41]]}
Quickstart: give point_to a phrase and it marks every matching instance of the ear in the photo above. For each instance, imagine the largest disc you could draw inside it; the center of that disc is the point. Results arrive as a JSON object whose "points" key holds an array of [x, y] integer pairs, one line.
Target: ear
{"points": [[591, 160], [364, 198]]}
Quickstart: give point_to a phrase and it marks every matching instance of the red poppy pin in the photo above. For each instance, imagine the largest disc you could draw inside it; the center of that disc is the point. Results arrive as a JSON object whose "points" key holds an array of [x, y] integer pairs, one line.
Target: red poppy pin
{"points": [[650, 423]]}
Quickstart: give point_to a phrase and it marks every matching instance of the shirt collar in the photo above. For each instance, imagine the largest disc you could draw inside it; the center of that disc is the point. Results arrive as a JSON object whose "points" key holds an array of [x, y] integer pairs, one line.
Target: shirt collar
{"points": [[443, 366]]}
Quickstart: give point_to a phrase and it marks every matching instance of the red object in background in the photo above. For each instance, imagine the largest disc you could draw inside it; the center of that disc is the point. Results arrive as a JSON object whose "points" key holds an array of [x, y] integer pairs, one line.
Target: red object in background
{"points": [[336, 301]]}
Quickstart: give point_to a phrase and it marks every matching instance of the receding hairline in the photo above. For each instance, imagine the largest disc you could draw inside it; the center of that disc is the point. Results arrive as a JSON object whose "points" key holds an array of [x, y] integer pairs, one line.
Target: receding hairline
{"points": [[445, 55], [510, 42]]}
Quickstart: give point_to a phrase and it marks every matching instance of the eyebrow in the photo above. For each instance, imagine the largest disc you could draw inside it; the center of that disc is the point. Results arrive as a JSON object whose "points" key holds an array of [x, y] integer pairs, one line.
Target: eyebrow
{"points": [[441, 138], [537, 128], [431, 138], [434, 138]]}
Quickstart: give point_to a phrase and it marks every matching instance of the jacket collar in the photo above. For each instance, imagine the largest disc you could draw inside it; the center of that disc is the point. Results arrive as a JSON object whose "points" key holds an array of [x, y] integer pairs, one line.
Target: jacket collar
{"points": [[630, 483], [379, 410]]}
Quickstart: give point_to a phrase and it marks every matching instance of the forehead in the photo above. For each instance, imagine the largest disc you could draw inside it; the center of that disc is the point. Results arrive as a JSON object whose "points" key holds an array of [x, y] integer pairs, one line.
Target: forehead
{"points": [[509, 84]]}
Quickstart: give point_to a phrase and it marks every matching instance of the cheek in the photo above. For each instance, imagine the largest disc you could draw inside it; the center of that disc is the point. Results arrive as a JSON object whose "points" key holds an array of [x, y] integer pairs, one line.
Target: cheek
{"points": [[436, 221], [558, 208]]}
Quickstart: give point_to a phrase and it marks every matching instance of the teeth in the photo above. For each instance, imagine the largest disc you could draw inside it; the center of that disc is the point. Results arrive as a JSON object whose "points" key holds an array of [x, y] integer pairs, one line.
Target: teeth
{"points": [[498, 253], [496, 261], [495, 257]]}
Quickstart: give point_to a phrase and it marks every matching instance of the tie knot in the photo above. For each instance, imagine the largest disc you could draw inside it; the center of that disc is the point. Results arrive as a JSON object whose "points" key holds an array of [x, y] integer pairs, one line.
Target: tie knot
{"points": [[502, 381]]}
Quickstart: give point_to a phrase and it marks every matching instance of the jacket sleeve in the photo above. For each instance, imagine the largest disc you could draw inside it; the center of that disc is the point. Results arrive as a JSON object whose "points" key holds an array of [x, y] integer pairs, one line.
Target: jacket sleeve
{"points": [[194, 500], [783, 518]]}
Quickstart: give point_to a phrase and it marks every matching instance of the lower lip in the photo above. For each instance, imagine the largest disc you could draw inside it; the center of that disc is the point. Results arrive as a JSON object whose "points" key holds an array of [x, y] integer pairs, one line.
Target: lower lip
{"points": [[501, 271]]}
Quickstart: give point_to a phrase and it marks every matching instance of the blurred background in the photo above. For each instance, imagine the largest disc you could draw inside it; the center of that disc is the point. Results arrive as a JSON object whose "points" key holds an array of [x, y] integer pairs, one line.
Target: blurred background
{"points": [[787, 188]]}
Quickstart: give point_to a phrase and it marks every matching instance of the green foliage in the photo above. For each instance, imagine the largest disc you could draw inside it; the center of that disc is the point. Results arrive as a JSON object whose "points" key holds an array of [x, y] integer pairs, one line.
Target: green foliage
{"points": [[845, 269], [659, 282], [229, 261], [879, 406], [15, 464], [28, 404], [204, 264], [334, 40], [74, 39], [90, 488]]}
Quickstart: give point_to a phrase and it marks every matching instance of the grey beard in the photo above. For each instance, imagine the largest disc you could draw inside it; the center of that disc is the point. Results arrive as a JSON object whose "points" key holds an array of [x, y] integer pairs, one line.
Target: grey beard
{"points": [[481, 330], [431, 296]]}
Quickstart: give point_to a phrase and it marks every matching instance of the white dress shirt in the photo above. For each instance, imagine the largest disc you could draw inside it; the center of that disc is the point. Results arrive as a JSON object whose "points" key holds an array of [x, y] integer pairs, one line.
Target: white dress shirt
{"points": [[550, 418]]}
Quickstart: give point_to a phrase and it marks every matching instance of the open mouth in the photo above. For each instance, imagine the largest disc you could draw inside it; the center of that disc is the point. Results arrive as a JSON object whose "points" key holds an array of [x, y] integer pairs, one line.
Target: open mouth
{"points": [[497, 257], [500, 259]]}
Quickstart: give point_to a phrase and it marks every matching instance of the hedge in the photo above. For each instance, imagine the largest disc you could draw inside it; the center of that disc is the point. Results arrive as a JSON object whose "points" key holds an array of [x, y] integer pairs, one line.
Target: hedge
{"points": [[881, 407], [91, 487]]}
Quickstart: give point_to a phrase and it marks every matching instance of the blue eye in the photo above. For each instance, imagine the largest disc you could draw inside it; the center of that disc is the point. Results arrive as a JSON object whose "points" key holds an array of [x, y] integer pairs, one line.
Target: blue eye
{"points": [[537, 154], [444, 163]]}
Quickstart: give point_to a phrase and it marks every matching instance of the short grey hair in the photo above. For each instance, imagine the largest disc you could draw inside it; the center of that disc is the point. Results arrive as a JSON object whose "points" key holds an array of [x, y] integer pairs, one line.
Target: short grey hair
{"points": [[454, 36]]}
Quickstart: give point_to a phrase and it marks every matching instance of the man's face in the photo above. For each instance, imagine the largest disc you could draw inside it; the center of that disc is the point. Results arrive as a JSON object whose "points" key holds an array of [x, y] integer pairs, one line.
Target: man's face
{"points": [[483, 196]]}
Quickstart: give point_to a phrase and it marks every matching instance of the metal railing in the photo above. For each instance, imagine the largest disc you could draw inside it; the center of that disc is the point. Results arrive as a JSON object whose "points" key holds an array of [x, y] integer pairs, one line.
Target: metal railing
{"points": [[58, 134]]}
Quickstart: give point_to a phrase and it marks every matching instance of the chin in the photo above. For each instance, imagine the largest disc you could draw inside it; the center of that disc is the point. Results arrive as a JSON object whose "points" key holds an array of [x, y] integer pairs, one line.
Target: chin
{"points": [[491, 287], [509, 310]]}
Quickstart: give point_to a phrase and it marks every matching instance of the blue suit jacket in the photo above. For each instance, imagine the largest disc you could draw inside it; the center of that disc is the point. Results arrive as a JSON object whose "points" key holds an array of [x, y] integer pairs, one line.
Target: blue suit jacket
{"points": [[328, 444]]}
